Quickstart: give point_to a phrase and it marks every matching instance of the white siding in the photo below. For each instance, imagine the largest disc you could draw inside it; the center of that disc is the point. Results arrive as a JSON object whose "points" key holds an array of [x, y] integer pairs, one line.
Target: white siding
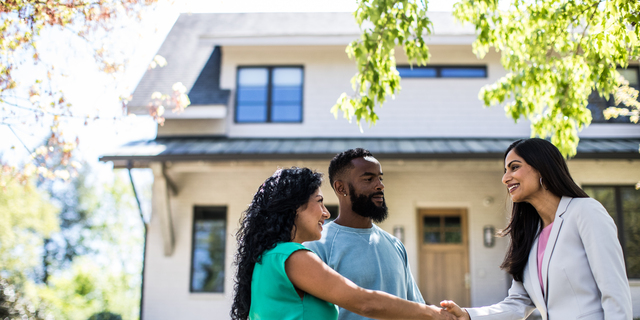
{"points": [[436, 107]]}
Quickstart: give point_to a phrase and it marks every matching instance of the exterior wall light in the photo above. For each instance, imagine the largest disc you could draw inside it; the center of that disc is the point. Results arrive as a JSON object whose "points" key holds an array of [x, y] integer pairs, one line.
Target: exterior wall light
{"points": [[489, 236], [398, 232]]}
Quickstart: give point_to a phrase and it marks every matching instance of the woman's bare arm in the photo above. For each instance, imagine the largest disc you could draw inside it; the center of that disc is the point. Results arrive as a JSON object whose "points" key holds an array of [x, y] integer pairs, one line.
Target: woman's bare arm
{"points": [[309, 274]]}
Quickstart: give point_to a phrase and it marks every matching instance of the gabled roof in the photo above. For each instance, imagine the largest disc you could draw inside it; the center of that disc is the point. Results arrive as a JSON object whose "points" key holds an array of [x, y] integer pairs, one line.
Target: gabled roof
{"points": [[212, 149], [206, 90], [190, 43]]}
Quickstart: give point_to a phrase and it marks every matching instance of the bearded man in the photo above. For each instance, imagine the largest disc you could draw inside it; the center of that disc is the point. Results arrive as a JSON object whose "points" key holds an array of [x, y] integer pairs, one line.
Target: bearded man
{"points": [[354, 246]]}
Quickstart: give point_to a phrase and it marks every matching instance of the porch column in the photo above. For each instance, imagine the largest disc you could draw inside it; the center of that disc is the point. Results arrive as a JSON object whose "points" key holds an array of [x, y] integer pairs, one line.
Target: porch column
{"points": [[161, 206]]}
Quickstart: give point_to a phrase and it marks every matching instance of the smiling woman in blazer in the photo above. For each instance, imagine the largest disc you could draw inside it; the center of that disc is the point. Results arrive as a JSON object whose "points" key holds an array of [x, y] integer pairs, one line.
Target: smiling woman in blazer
{"points": [[564, 254]]}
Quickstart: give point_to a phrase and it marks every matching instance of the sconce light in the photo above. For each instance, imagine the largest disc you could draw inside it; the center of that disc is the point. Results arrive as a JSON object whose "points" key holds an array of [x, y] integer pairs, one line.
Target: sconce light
{"points": [[398, 232], [489, 236]]}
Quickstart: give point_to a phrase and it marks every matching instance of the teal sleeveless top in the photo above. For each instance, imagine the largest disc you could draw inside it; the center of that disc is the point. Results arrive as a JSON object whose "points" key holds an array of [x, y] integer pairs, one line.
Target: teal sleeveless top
{"points": [[273, 296]]}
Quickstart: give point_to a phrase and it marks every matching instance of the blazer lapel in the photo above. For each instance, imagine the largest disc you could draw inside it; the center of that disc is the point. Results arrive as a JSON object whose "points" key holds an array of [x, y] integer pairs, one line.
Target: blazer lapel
{"points": [[551, 243], [532, 265]]}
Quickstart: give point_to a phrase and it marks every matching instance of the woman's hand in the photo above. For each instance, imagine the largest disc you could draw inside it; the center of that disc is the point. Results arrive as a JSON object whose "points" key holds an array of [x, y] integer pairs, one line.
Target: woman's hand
{"points": [[454, 309]]}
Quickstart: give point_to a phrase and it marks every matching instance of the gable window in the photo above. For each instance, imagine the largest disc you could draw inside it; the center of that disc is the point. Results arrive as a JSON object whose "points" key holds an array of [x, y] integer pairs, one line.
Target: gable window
{"points": [[443, 72], [623, 204], [208, 245], [597, 104], [269, 94]]}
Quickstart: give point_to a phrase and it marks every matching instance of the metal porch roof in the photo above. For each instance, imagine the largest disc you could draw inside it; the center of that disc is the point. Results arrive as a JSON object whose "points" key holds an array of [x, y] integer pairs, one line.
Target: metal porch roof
{"points": [[221, 148]]}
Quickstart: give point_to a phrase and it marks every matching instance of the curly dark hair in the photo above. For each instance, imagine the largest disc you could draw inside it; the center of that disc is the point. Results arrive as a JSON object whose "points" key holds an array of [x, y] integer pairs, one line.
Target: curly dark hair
{"points": [[342, 162], [268, 220]]}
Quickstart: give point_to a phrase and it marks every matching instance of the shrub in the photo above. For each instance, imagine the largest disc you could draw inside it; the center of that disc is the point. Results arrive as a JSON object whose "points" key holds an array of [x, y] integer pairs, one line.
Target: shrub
{"points": [[105, 315]]}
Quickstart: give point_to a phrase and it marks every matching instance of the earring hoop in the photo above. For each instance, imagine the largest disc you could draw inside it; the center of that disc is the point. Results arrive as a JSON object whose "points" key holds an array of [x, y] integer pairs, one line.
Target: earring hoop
{"points": [[541, 186]]}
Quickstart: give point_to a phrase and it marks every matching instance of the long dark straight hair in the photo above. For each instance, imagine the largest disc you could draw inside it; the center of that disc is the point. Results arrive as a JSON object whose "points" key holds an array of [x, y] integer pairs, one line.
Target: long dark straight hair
{"points": [[525, 220], [270, 219]]}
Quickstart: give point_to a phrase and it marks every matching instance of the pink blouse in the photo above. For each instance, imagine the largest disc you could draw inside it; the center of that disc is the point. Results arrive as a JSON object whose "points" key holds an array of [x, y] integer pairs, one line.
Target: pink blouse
{"points": [[542, 245]]}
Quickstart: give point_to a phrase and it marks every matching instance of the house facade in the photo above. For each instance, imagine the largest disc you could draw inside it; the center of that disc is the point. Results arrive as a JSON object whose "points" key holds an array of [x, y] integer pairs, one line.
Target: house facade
{"points": [[261, 87]]}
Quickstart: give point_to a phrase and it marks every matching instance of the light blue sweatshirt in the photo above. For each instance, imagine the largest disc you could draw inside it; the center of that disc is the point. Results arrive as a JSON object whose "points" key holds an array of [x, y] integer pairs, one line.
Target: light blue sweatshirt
{"points": [[371, 258]]}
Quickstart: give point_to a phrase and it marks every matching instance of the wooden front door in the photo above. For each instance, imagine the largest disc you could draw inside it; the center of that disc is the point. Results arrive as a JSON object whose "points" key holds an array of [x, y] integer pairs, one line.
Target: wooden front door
{"points": [[444, 255]]}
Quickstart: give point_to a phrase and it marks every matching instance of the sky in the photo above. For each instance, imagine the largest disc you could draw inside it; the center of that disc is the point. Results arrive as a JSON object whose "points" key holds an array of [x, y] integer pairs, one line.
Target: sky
{"points": [[288, 5], [88, 89]]}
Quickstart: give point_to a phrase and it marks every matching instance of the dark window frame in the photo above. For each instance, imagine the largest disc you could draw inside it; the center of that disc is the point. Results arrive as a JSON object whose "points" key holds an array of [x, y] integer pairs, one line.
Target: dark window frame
{"points": [[216, 212], [610, 102], [439, 68], [619, 214], [269, 93]]}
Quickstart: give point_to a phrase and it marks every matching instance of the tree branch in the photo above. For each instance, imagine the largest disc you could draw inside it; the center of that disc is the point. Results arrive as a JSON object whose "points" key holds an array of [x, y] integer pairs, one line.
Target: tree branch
{"points": [[595, 7], [63, 115], [18, 137]]}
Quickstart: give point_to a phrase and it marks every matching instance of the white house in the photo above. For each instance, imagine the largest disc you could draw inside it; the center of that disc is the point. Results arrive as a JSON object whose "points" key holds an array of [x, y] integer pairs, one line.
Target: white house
{"points": [[262, 85]]}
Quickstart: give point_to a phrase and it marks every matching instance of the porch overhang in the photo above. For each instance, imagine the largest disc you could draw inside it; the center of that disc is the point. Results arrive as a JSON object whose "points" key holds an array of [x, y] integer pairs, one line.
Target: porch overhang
{"points": [[224, 149], [155, 153]]}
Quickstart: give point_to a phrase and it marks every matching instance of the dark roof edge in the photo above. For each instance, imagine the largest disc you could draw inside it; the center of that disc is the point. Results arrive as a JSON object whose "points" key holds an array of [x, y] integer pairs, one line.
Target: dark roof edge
{"points": [[328, 156], [224, 137]]}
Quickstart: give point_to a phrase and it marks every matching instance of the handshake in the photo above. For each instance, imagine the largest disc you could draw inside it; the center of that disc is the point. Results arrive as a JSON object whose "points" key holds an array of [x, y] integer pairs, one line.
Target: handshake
{"points": [[450, 310]]}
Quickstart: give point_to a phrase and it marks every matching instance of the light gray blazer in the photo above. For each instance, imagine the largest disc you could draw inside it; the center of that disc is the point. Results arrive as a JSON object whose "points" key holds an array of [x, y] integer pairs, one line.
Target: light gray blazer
{"points": [[583, 271]]}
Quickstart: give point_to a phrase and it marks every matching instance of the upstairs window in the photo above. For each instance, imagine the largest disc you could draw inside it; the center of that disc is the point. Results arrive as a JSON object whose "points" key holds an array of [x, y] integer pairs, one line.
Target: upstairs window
{"points": [[208, 245], [598, 104], [269, 94], [443, 72], [630, 74]]}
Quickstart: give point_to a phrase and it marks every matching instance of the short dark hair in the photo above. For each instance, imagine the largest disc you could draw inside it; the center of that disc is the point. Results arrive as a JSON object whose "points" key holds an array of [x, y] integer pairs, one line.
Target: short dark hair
{"points": [[342, 162]]}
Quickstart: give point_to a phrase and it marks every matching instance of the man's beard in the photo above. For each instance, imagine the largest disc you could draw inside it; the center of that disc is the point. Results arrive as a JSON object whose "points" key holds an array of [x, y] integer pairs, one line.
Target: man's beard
{"points": [[363, 205]]}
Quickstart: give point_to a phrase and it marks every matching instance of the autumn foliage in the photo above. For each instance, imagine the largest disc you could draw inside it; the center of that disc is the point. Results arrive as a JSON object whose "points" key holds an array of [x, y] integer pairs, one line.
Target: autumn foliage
{"points": [[40, 103]]}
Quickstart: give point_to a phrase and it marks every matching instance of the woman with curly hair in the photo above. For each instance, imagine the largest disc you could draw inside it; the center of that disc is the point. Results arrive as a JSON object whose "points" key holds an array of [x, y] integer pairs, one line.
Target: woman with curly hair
{"points": [[279, 278]]}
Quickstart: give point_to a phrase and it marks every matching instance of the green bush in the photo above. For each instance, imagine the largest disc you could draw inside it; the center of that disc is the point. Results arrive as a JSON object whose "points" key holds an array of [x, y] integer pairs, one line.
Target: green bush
{"points": [[105, 315]]}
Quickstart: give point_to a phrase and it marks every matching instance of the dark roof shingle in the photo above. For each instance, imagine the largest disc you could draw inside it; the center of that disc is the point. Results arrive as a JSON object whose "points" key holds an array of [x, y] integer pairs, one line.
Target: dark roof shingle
{"points": [[220, 148]]}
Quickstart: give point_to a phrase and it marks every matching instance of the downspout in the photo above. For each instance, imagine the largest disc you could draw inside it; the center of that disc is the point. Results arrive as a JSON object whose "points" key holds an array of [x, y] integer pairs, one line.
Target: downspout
{"points": [[144, 248]]}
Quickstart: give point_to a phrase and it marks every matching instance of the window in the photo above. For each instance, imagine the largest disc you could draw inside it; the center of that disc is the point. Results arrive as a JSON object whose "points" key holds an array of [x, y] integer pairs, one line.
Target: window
{"points": [[269, 94], [443, 72], [207, 258], [623, 204], [442, 229], [598, 104]]}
